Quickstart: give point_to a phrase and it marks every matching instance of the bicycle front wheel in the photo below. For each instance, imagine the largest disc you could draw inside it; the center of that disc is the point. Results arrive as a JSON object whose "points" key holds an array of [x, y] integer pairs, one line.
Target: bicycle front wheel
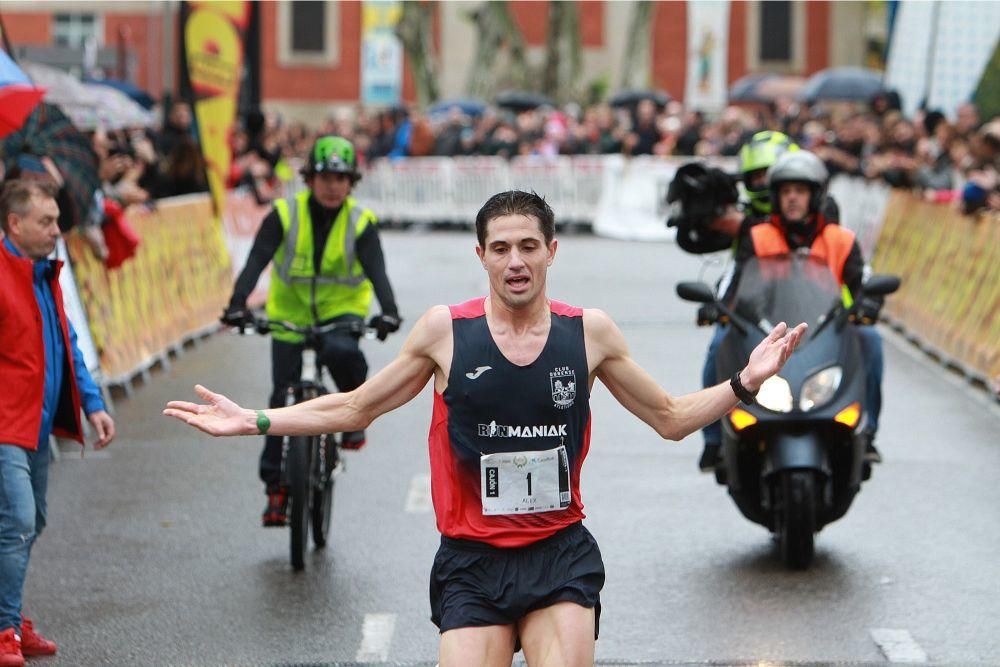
{"points": [[322, 506], [298, 462]]}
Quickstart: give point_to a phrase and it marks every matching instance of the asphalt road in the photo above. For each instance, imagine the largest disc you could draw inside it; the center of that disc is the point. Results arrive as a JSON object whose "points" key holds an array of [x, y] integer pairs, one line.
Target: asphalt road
{"points": [[154, 554]]}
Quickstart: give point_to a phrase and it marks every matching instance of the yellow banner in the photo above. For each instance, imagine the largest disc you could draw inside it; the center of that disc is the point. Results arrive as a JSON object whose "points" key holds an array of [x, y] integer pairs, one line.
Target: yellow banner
{"points": [[213, 39], [177, 284], [950, 266]]}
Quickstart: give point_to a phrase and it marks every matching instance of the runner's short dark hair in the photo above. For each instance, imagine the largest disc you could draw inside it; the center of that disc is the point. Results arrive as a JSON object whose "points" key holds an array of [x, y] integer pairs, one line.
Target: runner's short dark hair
{"points": [[18, 192], [516, 202]]}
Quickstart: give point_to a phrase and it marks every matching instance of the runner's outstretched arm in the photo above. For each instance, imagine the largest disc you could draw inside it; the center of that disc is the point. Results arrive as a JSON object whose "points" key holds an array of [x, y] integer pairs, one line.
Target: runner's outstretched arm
{"points": [[393, 386], [674, 417]]}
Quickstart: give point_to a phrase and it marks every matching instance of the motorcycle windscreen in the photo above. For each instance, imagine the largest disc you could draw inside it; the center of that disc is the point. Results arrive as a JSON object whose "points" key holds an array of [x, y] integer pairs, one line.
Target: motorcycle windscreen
{"points": [[786, 288]]}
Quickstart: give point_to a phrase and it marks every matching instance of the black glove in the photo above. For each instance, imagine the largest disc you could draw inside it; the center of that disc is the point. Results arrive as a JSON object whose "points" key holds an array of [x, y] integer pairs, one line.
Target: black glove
{"points": [[867, 309], [384, 325], [235, 316], [708, 314]]}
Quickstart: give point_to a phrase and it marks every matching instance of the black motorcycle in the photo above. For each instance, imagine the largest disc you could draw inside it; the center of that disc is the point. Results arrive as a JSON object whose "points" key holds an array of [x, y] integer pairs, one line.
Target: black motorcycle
{"points": [[794, 461]]}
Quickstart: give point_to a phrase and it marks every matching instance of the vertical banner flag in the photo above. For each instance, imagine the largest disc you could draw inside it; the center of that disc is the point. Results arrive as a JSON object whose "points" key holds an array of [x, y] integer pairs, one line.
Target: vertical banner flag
{"points": [[381, 53], [213, 45], [939, 52], [708, 54]]}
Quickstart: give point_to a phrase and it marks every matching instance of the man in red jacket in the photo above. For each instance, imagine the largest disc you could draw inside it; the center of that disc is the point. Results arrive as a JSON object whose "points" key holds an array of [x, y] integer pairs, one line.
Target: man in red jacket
{"points": [[45, 386]]}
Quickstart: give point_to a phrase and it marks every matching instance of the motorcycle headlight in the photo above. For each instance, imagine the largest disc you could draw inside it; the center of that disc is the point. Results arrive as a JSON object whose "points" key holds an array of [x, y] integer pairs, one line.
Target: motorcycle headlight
{"points": [[820, 387], [775, 394]]}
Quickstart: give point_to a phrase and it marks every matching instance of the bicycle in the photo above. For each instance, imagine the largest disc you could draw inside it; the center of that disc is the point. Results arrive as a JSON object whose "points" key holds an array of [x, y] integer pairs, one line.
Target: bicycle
{"points": [[309, 464]]}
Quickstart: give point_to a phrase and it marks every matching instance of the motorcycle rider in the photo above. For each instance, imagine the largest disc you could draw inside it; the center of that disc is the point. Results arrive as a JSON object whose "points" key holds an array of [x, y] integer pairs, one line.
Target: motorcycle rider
{"points": [[327, 228], [730, 230], [797, 182]]}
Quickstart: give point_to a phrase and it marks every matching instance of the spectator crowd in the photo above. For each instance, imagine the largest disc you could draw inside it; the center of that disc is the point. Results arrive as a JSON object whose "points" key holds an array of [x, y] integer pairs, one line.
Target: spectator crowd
{"points": [[950, 159]]}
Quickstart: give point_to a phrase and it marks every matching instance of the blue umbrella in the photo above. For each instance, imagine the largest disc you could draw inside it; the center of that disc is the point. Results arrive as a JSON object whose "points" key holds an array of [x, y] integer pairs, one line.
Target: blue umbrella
{"points": [[856, 84], [140, 96], [469, 106], [18, 96]]}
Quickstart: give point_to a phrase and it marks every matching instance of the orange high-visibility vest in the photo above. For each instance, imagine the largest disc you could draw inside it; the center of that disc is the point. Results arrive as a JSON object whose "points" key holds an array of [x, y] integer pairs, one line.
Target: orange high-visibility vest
{"points": [[832, 245]]}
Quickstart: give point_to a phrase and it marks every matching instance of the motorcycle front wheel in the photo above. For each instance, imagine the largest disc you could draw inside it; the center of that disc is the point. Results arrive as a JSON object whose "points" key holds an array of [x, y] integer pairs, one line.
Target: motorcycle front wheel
{"points": [[796, 517]]}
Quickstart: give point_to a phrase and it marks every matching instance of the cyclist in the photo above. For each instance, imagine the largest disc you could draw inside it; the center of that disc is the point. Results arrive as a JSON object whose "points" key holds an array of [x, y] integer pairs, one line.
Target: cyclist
{"points": [[515, 562], [325, 227]]}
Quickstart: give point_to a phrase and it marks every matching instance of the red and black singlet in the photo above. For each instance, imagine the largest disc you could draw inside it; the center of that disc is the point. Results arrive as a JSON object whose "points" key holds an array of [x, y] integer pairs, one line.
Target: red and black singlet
{"points": [[492, 406]]}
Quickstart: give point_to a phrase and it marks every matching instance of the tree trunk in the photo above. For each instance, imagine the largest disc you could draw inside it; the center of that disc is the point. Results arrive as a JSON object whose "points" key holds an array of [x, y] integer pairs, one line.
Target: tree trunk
{"points": [[415, 30], [498, 36], [633, 74], [563, 51]]}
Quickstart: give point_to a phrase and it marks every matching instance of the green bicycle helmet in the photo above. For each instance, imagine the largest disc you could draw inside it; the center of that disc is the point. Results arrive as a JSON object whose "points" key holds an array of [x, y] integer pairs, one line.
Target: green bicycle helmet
{"points": [[758, 154], [332, 155]]}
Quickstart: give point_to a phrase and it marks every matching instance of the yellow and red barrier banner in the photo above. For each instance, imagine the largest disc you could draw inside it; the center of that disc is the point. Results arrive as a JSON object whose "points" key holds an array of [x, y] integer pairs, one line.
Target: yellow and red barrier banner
{"points": [[176, 285], [950, 266], [213, 42]]}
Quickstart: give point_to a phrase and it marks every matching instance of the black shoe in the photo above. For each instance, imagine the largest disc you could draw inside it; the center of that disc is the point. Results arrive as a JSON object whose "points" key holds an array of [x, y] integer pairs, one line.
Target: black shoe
{"points": [[353, 440], [871, 454], [709, 457], [276, 512]]}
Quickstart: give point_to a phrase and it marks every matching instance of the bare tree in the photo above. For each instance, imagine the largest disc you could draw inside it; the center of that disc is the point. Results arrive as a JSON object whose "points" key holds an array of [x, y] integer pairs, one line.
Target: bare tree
{"points": [[633, 75], [500, 51], [415, 31], [563, 51]]}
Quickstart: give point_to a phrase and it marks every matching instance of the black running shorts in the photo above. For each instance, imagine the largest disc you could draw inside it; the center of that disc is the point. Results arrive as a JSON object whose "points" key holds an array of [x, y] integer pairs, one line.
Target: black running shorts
{"points": [[474, 584]]}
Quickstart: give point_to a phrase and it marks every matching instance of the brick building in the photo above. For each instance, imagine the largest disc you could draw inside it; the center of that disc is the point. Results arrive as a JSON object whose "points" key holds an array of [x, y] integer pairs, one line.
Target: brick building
{"points": [[310, 52]]}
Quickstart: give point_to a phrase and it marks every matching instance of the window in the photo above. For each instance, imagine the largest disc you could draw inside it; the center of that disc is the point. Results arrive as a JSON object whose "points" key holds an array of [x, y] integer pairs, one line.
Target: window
{"points": [[776, 36], [308, 33], [776, 30], [307, 26], [74, 30]]}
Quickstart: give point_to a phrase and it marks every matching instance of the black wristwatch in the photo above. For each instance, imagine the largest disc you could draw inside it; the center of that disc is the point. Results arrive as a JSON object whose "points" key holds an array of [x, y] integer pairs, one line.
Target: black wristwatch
{"points": [[748, 397]]}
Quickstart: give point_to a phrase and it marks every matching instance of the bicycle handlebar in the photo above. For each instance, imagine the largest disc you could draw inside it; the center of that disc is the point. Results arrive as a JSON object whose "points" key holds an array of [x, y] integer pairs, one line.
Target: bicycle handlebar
{"points": [[263, 326]]}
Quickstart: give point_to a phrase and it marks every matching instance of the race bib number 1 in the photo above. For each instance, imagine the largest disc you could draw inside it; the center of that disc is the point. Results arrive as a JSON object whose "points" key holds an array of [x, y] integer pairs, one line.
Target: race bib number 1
{"points": [[525, 482]]}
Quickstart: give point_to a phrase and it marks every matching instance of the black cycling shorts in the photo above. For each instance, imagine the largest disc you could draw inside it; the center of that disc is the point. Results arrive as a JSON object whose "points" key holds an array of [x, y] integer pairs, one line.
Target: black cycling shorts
{"points": [[474, 584]]}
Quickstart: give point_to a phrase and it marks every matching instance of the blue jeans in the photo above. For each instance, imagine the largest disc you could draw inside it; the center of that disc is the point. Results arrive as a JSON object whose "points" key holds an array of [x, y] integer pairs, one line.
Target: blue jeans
{"points": [[871, 354], [23, 479]]}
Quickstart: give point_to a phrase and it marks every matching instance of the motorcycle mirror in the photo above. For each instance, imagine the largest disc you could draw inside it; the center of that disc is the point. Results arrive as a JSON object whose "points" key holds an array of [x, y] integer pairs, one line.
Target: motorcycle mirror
{"points": [[881, 284], [695, 291]]}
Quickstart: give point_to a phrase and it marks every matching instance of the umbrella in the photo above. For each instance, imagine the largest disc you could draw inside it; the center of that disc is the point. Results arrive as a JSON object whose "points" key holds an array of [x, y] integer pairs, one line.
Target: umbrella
{"points": [[469, 106], [135, 93], [521, 100], [49, 133], [843, 83], [764, 88], [89, 105], [631, 98], [18, 97], [116, 110]]}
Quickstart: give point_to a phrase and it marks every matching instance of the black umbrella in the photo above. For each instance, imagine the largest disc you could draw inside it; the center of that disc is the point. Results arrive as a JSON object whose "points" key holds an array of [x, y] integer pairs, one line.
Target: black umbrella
{"points": [[521, 100], [764, 88], [631, 98], [49, 133], [851, 84]]}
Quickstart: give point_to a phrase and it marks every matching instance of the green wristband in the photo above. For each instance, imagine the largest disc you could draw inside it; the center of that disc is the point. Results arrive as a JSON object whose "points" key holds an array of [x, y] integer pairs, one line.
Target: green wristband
{"points": [[263, 423]]}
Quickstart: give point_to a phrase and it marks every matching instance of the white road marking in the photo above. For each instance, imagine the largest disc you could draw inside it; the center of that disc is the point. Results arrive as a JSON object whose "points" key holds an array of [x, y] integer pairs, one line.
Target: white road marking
{"points": [[376, 636], [418, 500], [898, 645]]}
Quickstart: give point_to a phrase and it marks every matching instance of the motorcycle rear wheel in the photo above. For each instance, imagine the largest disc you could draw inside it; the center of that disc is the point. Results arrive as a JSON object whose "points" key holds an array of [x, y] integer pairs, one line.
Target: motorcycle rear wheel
{"points": [[796, 518]]}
